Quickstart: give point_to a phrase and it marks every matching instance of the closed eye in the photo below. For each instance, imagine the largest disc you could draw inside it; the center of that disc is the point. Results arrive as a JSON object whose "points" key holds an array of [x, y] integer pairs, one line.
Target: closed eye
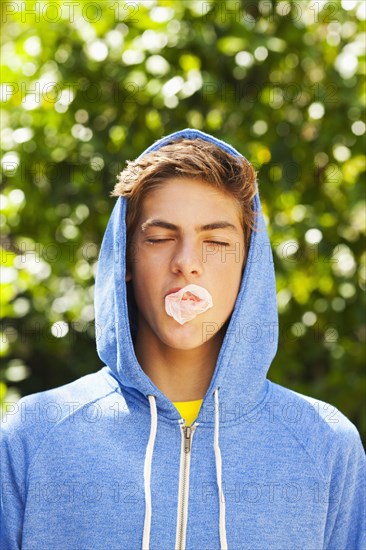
{"points": [[156, 240], [152, 241], [218, 242]]}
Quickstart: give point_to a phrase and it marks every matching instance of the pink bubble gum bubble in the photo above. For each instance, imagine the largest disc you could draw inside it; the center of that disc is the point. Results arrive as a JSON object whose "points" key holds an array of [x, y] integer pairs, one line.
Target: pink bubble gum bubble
{"points": [[187, 303]]}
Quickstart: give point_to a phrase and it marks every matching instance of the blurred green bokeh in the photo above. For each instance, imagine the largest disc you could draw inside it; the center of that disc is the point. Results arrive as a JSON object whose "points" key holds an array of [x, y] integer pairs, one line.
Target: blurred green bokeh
{"points": [[88, 85]]}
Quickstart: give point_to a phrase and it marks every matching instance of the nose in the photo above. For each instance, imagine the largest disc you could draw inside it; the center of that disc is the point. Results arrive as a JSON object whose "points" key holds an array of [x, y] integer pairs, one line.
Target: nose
{"points": [[187, 260]]}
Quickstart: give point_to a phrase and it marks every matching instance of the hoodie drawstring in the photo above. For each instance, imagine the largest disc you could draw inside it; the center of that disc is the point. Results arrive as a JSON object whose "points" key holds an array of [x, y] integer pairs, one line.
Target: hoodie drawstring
{"points": [[223, 541], [147, 472]]}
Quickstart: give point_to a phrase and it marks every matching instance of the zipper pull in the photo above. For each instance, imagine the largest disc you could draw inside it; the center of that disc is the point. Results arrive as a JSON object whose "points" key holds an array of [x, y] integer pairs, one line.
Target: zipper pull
{"points": [[187, 438]]}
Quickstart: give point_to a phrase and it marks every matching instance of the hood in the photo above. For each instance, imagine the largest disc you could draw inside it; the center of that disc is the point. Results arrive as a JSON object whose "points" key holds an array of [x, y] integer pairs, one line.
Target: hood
{"points": [[251, 338]]}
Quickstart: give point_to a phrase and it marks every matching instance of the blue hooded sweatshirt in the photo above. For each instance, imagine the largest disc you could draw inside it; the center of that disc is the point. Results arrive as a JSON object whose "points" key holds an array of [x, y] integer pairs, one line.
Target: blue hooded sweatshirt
{"points": [[107, 463]]}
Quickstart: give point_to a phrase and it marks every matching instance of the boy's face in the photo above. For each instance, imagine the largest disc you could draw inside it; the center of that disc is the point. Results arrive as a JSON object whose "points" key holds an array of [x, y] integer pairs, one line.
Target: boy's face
{"points": [[186, 255]]}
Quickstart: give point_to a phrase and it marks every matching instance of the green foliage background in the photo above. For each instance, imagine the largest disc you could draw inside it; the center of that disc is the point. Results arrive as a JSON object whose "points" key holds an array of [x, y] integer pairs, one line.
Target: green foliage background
{"points": [[88, 85]]}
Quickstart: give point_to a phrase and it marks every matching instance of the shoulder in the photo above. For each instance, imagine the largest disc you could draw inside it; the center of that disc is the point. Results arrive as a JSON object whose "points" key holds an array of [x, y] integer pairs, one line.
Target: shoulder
{"points": [[326, 434], [296, 407], [34, 415]]}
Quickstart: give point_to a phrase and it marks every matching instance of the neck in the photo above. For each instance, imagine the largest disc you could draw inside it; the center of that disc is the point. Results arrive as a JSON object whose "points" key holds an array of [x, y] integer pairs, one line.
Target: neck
{"points": [[182, 375]]}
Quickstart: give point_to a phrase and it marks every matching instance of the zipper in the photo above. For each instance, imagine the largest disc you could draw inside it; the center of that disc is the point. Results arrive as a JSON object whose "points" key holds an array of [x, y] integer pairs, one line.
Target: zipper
{"points": [[185, 462]]}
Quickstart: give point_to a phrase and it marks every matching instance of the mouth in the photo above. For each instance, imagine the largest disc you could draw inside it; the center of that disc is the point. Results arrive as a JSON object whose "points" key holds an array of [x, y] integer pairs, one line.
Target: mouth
{"points": [[186, 296], [172, 290], [187, 302]]}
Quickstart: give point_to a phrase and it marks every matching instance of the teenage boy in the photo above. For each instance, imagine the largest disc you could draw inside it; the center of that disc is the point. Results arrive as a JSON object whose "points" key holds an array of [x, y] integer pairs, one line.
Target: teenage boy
{"points": [[180, 440]]}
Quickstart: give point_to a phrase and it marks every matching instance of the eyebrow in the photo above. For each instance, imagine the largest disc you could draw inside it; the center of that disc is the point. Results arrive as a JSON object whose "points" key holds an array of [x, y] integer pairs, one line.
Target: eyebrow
{"points": [[199, 228]]}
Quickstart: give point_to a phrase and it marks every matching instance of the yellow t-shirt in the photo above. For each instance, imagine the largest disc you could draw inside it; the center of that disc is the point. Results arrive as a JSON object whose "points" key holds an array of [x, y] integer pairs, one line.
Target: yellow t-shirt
{"points": [[188, 410]]}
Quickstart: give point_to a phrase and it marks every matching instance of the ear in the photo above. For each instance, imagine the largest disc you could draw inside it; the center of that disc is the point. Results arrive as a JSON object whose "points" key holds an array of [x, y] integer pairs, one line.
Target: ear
{"points": [[128, 276]]}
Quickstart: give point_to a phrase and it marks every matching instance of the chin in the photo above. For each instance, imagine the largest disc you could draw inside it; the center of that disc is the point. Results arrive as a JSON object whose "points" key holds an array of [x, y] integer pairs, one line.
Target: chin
{"points": [[184, 337], [184, 345]]}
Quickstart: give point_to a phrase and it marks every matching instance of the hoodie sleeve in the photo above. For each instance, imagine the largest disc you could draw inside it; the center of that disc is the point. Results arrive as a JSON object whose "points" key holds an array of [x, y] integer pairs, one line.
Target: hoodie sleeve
{"points": [[13, 474], [23, 431], [346, 522]]}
